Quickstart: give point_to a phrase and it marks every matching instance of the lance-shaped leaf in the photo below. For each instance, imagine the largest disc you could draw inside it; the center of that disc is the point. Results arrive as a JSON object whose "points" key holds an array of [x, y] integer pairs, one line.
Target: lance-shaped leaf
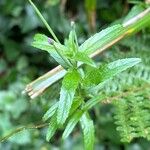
{"points": [[102, 38], [75, 118], [88, 131], [76, 103], [71, 43], [92, 102], [72, 123], [50, 112], [53, 126], [98, 75], [122, 64], [133, 12], [43, 42], [68, 89]]}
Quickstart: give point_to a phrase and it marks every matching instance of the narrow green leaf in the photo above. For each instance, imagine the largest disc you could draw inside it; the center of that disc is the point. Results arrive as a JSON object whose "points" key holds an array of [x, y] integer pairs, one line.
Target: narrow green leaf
{"points": [[50, 112], [82, 57], [92, 102], [74, 119], [76, 103], [88, 131], [44, 43], [98, 75], [68, 89], [134, 11], [102, 38], [138, 22], [122, 64], [72, 123], [72, 45], [52, 128], [41, 42]]}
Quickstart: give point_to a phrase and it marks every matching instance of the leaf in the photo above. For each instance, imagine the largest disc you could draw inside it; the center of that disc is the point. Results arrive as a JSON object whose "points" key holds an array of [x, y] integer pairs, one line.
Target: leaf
{"points": [[71, 42], [133, 12], [101, 39], [76, 103], [52, 128], [43, 42], [72, 123], [122, 64], [50, 112], [98, 75], [82, 57], [138, 22], [93, 76], [74, 119], [92, 102], [88, 131], [68, 89]]}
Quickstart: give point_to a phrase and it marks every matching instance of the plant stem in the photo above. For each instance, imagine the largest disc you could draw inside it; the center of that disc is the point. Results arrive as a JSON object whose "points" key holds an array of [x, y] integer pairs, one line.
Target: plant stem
{"points": [[44, 21], [23, 129]]}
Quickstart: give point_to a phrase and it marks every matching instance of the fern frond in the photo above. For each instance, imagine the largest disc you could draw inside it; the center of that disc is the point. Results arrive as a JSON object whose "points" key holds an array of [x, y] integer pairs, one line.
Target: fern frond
{"points": [[130, 91]]}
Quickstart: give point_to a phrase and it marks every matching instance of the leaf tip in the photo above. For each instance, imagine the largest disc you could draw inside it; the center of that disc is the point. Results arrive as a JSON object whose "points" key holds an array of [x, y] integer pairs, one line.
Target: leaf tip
{"points": [[137, 60], [65, 135]]}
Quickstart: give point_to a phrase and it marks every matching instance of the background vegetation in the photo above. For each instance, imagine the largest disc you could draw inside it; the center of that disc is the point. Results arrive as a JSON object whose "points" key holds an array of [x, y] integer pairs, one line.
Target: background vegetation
{"points": [[20, 64]]}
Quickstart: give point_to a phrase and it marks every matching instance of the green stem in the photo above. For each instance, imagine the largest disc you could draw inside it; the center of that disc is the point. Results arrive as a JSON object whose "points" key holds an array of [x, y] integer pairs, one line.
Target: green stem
{"points": [[44, 21]]}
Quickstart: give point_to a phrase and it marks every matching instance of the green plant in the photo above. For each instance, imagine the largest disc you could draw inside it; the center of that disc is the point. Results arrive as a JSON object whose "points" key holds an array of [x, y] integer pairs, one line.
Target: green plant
{"points": [[76, 94], [83, 79]]}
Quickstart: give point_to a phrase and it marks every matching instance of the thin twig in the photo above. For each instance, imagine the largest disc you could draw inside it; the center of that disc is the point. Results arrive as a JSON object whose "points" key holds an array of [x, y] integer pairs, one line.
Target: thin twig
{"points": [[18, 130]]}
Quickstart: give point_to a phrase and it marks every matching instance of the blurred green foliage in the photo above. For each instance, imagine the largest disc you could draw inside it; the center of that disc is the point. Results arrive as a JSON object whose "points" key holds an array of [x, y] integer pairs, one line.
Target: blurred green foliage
{"points": [[20, 64]]}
